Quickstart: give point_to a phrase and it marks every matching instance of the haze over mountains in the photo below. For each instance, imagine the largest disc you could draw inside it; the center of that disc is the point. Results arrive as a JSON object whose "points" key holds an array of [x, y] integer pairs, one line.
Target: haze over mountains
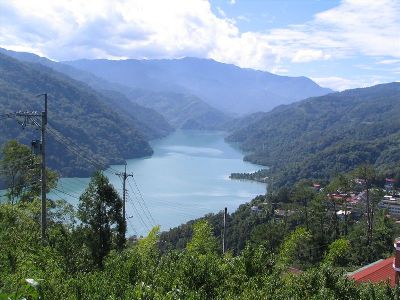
{"points": [[226, 87], [145, 100]]}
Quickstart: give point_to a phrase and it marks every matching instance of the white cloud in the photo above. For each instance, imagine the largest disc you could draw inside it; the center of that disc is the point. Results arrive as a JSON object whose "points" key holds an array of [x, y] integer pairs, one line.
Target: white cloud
{"points": [[243, 18], [389, 61], [307, 55], [232, 2], [70, 29], [340, 83], [221, 12]]}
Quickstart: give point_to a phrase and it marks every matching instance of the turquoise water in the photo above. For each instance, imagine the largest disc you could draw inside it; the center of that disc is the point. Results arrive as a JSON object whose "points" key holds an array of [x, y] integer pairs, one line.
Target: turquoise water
{"points": [[187, 177]]}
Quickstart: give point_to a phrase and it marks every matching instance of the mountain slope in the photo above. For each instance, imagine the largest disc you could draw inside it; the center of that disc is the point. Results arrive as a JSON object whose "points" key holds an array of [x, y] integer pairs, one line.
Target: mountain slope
{"points": [[151, 123], [182, 111], [223, 86], [75, 110], [317, 137]]}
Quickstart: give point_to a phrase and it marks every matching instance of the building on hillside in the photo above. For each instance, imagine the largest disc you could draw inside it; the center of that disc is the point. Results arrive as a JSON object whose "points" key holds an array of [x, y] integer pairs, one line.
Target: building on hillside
{"points": [[384, 270], [392, 204], [343, 213], [379, 271], [389, 184], [283, 213], [316, 186]]}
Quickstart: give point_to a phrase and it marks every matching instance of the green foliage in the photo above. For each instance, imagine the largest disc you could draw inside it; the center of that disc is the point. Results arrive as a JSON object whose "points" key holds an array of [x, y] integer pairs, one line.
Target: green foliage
{"points": [[20, 170], [294, 247], [78, 112], [320, 137], [338, 253], [100, 211], [203, 240]]}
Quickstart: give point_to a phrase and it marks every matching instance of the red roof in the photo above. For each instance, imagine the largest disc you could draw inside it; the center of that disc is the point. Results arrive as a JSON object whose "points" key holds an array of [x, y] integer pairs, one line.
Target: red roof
{"points": [[380, 271], [391, 180]]}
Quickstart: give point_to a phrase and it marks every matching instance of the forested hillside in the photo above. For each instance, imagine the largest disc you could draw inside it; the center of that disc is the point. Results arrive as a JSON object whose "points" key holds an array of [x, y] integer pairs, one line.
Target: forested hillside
{"points": [[182, 111], [78, 112], [226, 87], [322, 136], [151, 124]]}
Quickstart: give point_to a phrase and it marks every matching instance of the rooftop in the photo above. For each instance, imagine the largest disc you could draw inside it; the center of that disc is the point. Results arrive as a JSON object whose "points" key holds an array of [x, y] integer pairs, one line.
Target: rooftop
{"points": [[379, 271]]}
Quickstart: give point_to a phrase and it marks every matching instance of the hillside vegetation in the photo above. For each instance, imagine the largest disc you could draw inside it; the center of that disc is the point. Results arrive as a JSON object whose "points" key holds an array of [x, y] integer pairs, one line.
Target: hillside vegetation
{"points": [[322, 136], [182, 111], [81, 114], [151, 124]]}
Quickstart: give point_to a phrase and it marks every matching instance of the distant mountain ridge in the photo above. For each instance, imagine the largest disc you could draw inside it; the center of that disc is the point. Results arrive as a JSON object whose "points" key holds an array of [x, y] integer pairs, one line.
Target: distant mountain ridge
{"points": [[81, 114], [321, 136], [182, 111], [151, 123], [158, 112], [225, 87]]}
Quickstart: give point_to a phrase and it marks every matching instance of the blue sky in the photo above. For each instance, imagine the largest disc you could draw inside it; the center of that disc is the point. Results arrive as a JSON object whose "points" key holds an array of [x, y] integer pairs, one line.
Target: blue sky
{"points": [[339, 44]]}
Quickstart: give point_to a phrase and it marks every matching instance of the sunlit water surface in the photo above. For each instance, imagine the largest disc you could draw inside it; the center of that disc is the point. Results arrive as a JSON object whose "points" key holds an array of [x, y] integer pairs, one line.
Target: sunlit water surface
{"points": [[187, 177]]}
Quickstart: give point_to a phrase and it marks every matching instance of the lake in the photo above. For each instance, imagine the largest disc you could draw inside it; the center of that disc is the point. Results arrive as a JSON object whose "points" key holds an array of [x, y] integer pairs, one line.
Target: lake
{"points": [[187, 177]]}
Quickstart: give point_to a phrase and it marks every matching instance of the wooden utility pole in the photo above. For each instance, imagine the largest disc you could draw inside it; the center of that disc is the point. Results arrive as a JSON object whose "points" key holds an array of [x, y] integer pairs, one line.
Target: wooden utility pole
{"points": [[29, 118], [43, 170], [224, 232]]}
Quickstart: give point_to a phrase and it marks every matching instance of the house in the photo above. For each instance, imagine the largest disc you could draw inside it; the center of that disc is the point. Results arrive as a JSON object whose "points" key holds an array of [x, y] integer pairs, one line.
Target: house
{"points": [[384, 270], [316, 186], [283, 213], [389, 184], [343, 213], [392, 204]]}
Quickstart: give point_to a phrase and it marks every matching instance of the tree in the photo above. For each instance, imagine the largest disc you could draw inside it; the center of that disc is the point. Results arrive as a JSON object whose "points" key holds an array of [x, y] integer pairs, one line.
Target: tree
{"points": [[368, 174], [203, 240], [295, 246], [343, 184], [21, 171], [100, 210], [302, 195], [338, 253]]}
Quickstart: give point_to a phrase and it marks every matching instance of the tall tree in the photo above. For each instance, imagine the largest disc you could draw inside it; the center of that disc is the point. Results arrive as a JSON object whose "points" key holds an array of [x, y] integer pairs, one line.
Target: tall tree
{"points": [[100, 210], [20, 169], [367, 175]]}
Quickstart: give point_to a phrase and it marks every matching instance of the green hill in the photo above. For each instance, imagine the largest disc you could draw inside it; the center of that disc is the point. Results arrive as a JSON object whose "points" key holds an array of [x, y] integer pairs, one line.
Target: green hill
{"points": [[181, 110], [321, 136], [151, 124], [81, 114]]}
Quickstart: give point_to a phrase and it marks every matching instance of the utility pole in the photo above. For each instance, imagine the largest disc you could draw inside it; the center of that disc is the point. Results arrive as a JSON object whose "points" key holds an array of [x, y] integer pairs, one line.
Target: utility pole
{"points": [[124, 176], [30, 119], [224, 232], [43, 169]]}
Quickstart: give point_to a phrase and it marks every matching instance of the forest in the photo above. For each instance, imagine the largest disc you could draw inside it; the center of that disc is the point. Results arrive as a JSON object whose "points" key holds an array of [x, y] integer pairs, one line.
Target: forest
{"points": [[320, 137], [87, 256]]}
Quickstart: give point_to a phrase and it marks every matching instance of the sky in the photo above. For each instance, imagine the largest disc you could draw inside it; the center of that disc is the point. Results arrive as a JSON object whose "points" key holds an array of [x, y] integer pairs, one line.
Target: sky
{"points": [[339, 44]]}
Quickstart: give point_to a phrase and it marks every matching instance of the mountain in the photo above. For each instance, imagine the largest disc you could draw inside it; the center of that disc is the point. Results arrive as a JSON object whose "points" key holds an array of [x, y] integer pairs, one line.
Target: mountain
{"points": [[318, 137], [226, 87], [181, 110], [152, 124], [82, 115]]}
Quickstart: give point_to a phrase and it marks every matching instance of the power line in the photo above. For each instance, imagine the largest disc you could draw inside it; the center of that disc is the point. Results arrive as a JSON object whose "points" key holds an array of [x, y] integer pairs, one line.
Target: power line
{"points": [[144, 206], [137, 213], [66, 193], [73, 205], [74, 149]]}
